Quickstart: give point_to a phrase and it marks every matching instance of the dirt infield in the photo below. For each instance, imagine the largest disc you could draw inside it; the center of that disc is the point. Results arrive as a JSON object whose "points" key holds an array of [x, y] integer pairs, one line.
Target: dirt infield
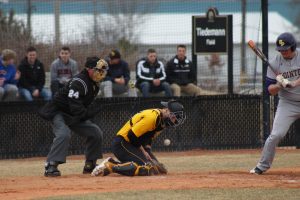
{"points": [[28, 187]]}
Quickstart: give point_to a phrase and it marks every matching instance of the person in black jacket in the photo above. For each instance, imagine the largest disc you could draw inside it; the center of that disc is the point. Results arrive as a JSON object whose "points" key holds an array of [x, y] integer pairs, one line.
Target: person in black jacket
{"points": [[118, 75], [32, 80], [151, 76], [70, 110], [180, 74]]}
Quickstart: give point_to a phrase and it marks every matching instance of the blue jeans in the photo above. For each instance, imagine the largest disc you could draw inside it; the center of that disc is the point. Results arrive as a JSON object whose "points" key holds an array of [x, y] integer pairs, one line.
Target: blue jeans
{"points": [[8, 92], [147, 87], [27, 94]]}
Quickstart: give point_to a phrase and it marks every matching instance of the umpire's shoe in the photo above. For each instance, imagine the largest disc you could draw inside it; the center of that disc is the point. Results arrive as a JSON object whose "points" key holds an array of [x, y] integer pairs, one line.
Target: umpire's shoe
{"points": [[51, 169], [89, 167], [256, 170]]}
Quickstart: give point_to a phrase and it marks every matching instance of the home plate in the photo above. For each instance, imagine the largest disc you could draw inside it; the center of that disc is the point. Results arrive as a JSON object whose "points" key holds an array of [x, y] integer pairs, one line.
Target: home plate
{"points": [[292, 181]]}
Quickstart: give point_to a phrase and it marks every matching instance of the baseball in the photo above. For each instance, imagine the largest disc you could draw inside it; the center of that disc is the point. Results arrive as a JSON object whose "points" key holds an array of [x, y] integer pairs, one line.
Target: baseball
{"points": [[167, 142]]}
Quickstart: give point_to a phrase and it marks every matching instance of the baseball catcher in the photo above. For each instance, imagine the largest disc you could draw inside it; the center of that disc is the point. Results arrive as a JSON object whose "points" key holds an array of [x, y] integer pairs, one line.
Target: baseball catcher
{"points": [[70, 110], [132, 145]]}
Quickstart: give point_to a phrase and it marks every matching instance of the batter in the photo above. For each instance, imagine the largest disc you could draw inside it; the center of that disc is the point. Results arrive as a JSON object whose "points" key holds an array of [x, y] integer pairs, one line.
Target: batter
{"points": [[287, 86]]}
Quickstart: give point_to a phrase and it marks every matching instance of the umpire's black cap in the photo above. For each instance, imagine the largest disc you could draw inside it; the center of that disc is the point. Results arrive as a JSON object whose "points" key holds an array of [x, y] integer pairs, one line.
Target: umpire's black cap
{"points": [[91, 62], [285, 41]]}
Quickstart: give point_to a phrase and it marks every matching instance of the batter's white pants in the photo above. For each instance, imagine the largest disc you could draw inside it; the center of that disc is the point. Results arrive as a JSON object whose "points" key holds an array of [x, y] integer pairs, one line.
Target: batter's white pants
{"points": [[287, 112]]}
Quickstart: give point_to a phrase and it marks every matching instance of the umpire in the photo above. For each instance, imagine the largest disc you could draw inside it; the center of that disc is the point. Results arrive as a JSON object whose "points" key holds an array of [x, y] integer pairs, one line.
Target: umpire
{"points": [[70, 110]]}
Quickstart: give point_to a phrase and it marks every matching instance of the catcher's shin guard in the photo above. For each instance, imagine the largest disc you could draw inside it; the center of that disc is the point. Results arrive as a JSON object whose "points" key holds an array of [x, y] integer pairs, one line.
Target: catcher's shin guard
{"points": [[132, 169]]}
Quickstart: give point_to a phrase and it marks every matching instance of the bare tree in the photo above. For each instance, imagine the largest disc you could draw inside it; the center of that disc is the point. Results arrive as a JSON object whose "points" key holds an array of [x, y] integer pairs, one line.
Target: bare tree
{"points": [[13, 32], [122, 20], [120, 25]]}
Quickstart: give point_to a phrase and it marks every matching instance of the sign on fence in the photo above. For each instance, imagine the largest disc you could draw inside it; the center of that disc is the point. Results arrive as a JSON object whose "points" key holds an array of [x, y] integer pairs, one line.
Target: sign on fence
{"points": [[211, 32]]}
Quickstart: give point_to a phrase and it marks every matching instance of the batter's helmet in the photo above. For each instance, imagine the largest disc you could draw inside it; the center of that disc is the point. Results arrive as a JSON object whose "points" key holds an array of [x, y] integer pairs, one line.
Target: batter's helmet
{"points": [[285, 41]]}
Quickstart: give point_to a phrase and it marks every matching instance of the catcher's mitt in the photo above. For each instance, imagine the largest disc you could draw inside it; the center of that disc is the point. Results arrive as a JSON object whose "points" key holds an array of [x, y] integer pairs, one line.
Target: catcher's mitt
{"points": [[159, 167]]}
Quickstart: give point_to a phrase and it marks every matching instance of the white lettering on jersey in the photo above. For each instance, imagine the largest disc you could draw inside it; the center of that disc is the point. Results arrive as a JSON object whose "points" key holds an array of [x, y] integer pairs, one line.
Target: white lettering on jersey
{"points": [[73, 94]]}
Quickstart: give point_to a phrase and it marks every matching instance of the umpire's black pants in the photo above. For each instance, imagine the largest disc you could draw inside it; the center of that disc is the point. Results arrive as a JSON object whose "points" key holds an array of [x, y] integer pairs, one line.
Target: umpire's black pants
{"points": [[126, 152], [90, 131]]}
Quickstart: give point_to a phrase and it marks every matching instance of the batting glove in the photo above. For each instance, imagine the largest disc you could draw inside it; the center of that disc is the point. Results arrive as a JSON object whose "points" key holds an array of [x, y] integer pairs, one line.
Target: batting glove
{"points": [[284, 82]]}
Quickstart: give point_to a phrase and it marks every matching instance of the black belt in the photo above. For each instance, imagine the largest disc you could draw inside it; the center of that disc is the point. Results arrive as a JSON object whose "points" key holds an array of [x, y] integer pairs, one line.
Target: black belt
{"points": [[118, 138]]}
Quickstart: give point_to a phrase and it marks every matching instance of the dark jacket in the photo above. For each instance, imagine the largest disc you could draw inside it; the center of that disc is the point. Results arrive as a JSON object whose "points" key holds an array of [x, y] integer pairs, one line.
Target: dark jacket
{"points": [[74, 100], [32, 76], [118, 71], [180, 72], [148, 72]]}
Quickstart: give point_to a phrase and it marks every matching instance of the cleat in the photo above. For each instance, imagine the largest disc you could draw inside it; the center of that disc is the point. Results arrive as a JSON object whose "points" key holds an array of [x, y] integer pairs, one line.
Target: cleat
{"points": [[89, 167], [51, 170], [256, 170], [104, 168]]}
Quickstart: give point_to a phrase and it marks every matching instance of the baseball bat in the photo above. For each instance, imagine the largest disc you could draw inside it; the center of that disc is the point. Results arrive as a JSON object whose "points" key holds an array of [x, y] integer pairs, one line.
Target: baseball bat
{"points": [[261, 55]]}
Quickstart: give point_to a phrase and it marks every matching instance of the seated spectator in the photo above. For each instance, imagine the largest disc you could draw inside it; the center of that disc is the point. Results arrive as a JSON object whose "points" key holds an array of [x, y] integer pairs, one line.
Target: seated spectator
{"points": [[180, 74], [118, 75], [32, 81], [8, 76], [62, 69], [151, 76]]}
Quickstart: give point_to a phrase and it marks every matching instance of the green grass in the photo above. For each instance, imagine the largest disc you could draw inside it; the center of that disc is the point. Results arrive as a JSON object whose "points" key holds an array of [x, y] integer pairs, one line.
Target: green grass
{"points": [[209, 162], [205, 194]]}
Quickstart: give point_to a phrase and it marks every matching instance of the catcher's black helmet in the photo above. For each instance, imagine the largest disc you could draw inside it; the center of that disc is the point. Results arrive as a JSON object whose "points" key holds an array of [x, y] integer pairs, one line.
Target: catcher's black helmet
{"points": [[176, 111]]}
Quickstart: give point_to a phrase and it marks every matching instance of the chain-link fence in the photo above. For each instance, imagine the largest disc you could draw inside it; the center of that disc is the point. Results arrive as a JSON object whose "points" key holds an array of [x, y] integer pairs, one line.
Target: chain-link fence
{"points": [[213, 122], [93, 27]]}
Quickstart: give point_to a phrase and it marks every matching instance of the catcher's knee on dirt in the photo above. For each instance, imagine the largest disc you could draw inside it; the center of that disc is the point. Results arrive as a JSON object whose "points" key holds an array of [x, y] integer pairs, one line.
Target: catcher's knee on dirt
{"points": [[132, 169]]}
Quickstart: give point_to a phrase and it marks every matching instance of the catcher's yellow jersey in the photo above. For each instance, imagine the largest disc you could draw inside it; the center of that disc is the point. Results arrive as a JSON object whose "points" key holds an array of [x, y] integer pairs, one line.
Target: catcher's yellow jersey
{"points": [[145, 125]]}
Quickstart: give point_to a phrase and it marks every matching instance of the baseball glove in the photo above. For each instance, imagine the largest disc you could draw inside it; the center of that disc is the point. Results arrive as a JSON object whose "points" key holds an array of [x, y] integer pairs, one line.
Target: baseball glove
{"points": [[159, 167]]}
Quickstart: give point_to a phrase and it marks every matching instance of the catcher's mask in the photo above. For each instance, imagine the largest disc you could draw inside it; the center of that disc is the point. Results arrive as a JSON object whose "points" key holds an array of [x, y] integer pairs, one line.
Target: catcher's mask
{"points": [[176, 116], [99, 67]]}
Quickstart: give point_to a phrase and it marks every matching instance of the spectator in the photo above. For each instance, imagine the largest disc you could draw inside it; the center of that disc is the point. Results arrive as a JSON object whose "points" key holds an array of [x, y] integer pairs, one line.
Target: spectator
{"points": [[151, 76], [62, 69], [215, 66], [32, 81], [180, 74], [117, 77], [8, 76], [215, 62]]}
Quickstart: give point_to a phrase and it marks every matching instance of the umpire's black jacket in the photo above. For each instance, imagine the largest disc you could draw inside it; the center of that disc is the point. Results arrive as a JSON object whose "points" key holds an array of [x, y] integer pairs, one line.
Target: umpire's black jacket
{"points": [[73, 100]]}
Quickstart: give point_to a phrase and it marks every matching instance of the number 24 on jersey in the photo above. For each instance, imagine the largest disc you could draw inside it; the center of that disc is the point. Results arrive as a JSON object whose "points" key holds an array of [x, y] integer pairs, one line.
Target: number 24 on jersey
{"points": [[73, 94]]}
